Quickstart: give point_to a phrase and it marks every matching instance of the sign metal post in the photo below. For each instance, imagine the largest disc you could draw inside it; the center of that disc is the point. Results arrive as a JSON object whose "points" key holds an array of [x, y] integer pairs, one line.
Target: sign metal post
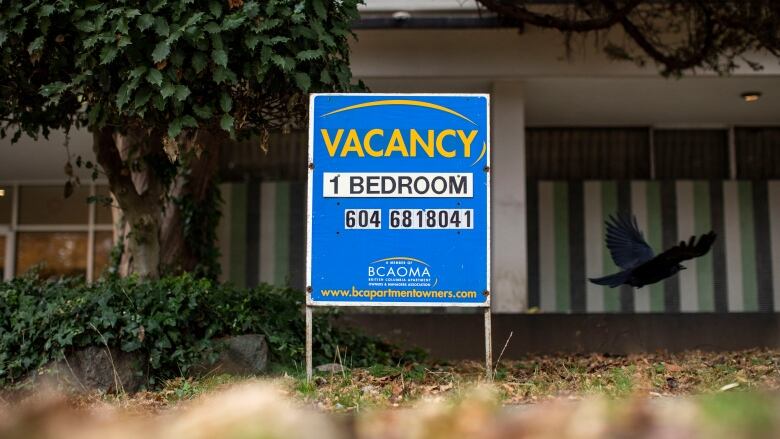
{"points": [[398, 204]]}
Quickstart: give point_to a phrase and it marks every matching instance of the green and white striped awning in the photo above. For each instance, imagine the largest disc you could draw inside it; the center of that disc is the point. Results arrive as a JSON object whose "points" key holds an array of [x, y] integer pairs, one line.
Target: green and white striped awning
{"points": [[566, 244]]}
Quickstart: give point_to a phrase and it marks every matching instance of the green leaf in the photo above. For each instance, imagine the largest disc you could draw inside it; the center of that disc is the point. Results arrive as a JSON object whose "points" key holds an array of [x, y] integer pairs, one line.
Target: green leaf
{"points": [[307, 55], [167, 90], [226, 122], [154, 77], [121, 26], [221, 74], [303, 81], [52, 89], [225, 102], [94, 114], [212, 27], [174, 128], [161, 27], [216, 9], [90, 41], [265, 54], [107, 54], [36, 45], [251, 9], [159, 102], [220, 57], [124, 41], [182, 91], [161, 51], [269, 24], [199, 62], [325, 77], [232, 21], [123, 95], [189, 121], [202, 112], [283, 62], [86, 26], [145, 22], [132, 13], [137, 72], [277, 40], [46, 10], [142, 97], [216, 42], [319, 8], [251, 40], [177, 59], [193, 20]]}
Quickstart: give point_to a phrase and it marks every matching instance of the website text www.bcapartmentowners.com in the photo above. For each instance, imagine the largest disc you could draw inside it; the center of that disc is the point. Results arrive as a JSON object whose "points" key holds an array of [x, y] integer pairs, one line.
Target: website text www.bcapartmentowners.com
{"points": [[398, 294]]}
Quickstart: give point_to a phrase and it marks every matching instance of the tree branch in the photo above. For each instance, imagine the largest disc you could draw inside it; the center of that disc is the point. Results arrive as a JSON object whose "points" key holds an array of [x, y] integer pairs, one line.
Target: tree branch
{"points": [[671, 63], [108, 157], [517, 11]]}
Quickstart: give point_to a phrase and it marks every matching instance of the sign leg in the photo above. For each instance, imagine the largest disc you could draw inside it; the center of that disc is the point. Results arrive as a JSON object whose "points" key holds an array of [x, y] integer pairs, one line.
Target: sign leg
{"points": [[308, 344], [488, 346]]}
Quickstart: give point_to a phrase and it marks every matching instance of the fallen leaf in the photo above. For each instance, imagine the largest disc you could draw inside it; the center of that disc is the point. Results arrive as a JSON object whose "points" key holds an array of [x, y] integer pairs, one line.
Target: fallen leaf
{"points": [[728, 387]]}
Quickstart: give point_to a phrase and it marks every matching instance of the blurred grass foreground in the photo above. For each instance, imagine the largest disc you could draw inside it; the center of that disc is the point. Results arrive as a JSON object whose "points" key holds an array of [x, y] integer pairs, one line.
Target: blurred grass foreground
{"points": [[261, 409]]}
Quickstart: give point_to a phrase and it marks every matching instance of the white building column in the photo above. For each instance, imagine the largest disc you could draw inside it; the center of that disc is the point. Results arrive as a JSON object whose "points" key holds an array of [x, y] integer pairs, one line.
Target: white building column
{"points": [[509, 281]]}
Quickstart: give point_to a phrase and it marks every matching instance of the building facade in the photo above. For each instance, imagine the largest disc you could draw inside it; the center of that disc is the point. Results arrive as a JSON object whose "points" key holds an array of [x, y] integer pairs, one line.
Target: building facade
{"points": [[575, 137]]}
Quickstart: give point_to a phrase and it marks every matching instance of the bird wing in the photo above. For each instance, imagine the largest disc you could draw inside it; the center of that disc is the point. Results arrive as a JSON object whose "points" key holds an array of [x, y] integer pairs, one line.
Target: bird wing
{"points": [[689, 250], [626, 243]]}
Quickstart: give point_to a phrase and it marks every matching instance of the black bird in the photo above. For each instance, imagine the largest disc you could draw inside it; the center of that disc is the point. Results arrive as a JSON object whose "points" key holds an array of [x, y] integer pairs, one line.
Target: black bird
{"points": [[640, 265]]}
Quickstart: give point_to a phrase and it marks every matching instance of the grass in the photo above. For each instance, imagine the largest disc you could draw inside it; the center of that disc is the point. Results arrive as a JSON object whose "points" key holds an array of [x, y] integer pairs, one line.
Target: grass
{"points": [[527, 381], [548, 377], [714, 395]]}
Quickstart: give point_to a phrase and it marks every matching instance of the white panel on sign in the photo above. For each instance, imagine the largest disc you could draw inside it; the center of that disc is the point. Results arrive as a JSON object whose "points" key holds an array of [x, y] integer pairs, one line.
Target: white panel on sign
{"points": [[397, 185]]}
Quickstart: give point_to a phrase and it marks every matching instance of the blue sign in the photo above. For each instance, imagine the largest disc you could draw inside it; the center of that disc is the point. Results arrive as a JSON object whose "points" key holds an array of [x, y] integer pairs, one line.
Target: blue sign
{"points": [[399, 200]]}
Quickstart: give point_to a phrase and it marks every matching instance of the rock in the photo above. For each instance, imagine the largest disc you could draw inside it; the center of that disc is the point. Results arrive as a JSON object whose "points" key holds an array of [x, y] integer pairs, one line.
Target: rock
{"points": [[330, 368], [238, 355], [94, 369]]}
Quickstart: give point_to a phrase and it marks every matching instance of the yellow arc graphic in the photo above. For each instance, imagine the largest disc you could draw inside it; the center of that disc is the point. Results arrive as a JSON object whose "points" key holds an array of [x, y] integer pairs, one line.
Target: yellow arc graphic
{"points": [[481, 154], [400, 102]]}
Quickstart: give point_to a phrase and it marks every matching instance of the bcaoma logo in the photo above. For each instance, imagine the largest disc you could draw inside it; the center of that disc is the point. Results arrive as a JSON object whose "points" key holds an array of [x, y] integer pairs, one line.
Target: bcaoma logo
{"points": [[400, 271]]}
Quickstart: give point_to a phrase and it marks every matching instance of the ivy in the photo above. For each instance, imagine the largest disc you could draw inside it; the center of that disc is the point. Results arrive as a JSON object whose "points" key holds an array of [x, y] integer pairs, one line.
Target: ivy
{"points": [[172, 321], [80, 54], [167, 69]]}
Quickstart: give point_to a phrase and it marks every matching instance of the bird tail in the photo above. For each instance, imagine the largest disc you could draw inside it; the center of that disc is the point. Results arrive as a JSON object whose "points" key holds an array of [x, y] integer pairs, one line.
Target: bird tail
{"points": [[612, 280]]}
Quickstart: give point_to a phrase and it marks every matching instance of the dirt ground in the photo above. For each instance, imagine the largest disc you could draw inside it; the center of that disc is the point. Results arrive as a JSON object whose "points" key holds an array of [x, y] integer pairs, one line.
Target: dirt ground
{"points": [[734, 394]]}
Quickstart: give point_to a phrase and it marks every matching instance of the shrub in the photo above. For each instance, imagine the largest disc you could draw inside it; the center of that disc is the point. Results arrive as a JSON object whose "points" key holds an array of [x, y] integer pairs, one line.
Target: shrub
{"points": [[174, 321]]}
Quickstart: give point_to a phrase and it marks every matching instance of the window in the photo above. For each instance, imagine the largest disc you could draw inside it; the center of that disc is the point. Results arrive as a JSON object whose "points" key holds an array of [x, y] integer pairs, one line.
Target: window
{"points": [[59, 235], [104, 243], [285, 158], [104, 212], [757, 152], [587, 153], [6, 195], [691, 154], [54, 253], [643, 153], [2, 257], [48, 205]]}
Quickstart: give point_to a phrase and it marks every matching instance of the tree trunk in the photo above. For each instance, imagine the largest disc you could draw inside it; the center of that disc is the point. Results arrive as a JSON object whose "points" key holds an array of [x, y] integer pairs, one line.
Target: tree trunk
{"points": [[139, 192], [158, 238], [188, 232]]}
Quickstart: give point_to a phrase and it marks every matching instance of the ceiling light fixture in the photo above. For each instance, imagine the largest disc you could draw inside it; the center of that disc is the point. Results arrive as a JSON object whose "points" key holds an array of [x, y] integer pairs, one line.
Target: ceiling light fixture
{"points": [[751, 96], [401, 16]]}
